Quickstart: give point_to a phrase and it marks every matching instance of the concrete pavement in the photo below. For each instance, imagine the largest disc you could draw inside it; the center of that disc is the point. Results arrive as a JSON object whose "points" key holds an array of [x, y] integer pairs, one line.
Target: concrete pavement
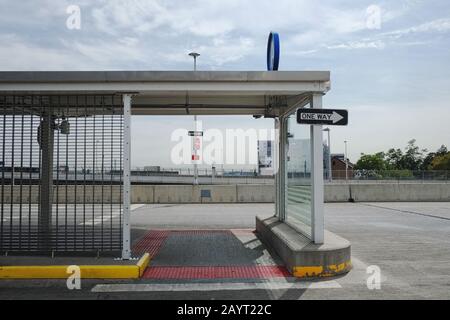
{"points": [[409, 242]]}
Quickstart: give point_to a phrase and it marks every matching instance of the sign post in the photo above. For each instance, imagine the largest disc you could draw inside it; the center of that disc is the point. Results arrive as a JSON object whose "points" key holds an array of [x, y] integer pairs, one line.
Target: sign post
{"points": [[196, 146]]}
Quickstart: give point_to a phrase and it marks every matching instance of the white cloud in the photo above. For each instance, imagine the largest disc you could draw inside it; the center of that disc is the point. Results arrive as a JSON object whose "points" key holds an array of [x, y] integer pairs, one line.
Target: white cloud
{"points": [[438, 25], [21, 55], [106, 53], [391, 38], [225, 31], [144, 16], [231, 34], [137, 16], [374, 128], [368, 44]]}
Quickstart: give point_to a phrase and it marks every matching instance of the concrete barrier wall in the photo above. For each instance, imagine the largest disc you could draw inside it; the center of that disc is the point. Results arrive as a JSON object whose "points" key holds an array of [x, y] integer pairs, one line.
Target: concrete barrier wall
{"points": [[336, 193], [387, 192], [233, 193], [142, 194], [255, 193], [148, 194], [401, 192]]}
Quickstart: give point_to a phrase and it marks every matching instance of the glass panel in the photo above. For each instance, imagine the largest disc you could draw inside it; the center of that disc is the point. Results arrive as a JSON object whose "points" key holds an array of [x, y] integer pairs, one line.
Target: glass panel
{"points": [[298, 176], [276, 170]]}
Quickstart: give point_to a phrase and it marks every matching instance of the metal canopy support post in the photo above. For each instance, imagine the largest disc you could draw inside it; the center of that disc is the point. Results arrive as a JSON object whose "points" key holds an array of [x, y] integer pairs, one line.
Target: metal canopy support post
{"points": [[46, 137], [281, 124], [126, 241], [330, 171], [317, 176], [276, 164]]}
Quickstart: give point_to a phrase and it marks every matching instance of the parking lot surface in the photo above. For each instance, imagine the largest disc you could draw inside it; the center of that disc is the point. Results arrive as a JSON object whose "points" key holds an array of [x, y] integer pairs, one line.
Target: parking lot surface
{"points": [[210, 251]]}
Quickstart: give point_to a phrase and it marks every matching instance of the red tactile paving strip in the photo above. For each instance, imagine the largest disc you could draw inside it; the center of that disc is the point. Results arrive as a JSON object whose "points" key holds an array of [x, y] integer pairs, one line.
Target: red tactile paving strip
{"points": [[230, 272], [203, 231], [151, 242], [154, 239]]}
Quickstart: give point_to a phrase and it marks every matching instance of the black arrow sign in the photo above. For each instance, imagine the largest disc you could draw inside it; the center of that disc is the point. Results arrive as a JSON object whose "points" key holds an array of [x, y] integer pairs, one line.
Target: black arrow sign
{"points": [[333, 117], [195, 133]]}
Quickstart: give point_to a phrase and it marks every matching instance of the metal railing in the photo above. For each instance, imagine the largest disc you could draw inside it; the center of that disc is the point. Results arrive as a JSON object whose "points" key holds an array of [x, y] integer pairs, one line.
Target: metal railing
{"points": [[392, 175], [201, 171], [205, 176]]}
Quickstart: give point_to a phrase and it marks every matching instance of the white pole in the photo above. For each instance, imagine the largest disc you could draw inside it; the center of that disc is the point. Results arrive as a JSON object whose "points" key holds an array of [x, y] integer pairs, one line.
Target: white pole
{"points": [[195, 55], [330, 171], [195, 128], [317, 208], [346, 162], [126, 245], [282, 153], [195, 153]]}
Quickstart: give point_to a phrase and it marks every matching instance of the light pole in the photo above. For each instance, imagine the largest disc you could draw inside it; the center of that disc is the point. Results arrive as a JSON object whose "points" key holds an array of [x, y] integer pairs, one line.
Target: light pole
{"points": [[346, 161], [330, 172], [195, 55]]}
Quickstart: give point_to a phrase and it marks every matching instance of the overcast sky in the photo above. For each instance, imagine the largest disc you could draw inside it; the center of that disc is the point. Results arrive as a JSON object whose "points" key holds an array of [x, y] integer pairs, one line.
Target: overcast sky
{"points": [[394, 80]]}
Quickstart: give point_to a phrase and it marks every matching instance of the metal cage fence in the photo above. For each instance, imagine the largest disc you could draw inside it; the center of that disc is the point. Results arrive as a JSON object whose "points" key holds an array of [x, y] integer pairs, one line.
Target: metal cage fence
{"points": [[61, 174]]}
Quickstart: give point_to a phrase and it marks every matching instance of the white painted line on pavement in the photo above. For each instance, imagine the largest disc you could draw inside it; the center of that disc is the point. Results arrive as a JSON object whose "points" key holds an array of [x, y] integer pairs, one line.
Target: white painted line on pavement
{"points": [[228, 286], [136, 206], [115, 215]]}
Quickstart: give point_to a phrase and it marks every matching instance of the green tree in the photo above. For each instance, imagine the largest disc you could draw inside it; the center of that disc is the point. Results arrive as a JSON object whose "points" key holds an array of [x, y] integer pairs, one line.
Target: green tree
{"points": [[441, 162], [426, 164], [442, 151], [371, 162], [394, 158], [413, 156], [402, 163], [411, 159]]}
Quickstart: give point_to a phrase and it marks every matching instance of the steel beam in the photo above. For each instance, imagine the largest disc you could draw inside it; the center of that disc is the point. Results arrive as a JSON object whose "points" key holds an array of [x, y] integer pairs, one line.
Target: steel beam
{"points": [[282, 174], [46, 136], [276, 167], [126, 232]]}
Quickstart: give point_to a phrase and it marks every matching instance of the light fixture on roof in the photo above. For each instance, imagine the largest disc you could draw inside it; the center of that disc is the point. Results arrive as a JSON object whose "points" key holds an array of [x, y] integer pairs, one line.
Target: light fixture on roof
{"points": [[195, 55]]}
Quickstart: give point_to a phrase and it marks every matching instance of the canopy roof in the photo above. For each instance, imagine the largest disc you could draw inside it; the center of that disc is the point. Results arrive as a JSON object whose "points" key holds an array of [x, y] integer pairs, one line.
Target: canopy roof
{"points": [[178, 92]]}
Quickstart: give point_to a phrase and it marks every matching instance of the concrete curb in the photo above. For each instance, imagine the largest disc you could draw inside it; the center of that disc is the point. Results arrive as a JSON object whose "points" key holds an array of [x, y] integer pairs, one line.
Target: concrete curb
{"points": [[303, 258], [87, 271]]}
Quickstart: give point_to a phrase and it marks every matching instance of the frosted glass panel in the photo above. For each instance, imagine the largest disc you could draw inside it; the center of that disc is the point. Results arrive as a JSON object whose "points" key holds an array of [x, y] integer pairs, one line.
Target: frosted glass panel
{"points": [[298, 180]]}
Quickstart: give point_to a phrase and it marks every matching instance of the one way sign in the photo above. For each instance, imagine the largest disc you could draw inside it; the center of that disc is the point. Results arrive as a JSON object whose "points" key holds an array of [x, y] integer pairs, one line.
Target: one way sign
{"points": [[336, 117]]}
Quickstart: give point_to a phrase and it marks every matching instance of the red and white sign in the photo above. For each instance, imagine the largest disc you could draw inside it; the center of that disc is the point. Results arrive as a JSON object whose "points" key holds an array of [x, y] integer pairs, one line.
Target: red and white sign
{"points": [[197, 143]]}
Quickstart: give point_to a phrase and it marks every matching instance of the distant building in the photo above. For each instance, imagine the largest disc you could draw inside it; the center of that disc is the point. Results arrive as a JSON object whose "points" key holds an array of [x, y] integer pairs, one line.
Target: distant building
{"points": [[152, 168], [338, 166], [299, 157], [265, 157]]}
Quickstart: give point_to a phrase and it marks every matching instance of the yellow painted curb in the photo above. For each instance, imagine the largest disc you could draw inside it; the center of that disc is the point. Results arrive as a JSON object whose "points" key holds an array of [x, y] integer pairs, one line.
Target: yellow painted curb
{"points": [[143, 263], [87, 271], [320, 271]]}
